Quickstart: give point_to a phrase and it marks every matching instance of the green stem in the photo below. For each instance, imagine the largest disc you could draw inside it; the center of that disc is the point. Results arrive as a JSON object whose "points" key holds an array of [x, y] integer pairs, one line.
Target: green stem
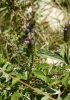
{"points": [[30, 67], [66, 52]]}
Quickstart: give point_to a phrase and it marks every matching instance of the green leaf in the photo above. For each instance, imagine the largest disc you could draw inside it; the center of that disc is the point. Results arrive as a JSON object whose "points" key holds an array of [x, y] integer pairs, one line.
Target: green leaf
{"points": [[39, 74], [43, 65], [43, 53], [65, 80], [2, 9], [0, 97], [20, 50], [15, 96], [69, 81], [66, 58], [45, 98], [14, 81], [56, 82], [2, 60], [59, 98], [5, 76], [1, 85], [7, 67], [67, 97], [18, 77], [51, 90]]}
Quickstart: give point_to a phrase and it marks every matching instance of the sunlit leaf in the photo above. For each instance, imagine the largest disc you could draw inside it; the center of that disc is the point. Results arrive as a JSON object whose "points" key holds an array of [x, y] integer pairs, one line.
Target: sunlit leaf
{"points": [[14, 81], [43, 65], [67, 97], [59, 98], [43, 53], [5, 66], [45, 98], [65, 80], [39, 74], [1, 98], [2, 9], [1, 85], [15, 96], [18, 76], [6, 76], [56, 82], [52, 91]]}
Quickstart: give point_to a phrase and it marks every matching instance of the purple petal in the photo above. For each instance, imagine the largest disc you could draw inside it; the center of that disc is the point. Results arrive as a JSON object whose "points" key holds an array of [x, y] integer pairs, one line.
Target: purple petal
{"points": [[32, 41], [65, 29], [33, 30], [68, 22], [29, 36], [32, 35], [27, 25], [27, 42], [27, 29]]}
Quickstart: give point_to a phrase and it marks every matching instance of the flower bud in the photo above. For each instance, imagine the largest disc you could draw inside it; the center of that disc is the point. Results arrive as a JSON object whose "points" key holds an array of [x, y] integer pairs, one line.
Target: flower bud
{"points": [[67, 32]]}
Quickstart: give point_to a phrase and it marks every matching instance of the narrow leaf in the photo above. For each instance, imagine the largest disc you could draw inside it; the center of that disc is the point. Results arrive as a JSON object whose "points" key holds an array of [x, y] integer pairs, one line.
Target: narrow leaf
{"points": [[65, 80], [43, 65], [0, 97], [39, 74], [14, 81], [45, 98], [67, 97], [43, 53], [15, 96]]}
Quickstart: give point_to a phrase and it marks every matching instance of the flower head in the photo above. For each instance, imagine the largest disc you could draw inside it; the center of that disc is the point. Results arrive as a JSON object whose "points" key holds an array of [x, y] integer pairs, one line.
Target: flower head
{"points": [[32, 29], [27, 25], [32, 41], [31, 35], [27, 41], [27, 29], [68, 22], [65, 29]]}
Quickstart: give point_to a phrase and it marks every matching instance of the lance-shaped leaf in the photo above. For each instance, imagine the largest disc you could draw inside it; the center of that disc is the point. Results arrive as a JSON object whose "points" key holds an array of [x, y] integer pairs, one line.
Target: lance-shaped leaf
{"points": [[43, 53]]}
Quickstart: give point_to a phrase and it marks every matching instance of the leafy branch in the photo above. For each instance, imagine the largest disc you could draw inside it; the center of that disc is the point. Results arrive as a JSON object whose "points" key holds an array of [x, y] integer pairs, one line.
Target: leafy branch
{"points": [[34, 89]]}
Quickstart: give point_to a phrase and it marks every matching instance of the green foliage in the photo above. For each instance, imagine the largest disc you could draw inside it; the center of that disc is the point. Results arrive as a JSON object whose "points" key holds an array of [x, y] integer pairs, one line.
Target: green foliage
{"points": [[45, 53], [67, 97], [15, 96], [65, 79], [2, 60], [44, 98]]}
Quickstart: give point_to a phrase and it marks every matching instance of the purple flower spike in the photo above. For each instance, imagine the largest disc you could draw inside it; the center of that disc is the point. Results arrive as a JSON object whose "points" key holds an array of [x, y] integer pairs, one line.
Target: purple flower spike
{"points": [[29, 36], [68, 22], [32, 41], [27, 25], [65, 29], [27, 42], [33, 30], [32, 35], [27, 29]]}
